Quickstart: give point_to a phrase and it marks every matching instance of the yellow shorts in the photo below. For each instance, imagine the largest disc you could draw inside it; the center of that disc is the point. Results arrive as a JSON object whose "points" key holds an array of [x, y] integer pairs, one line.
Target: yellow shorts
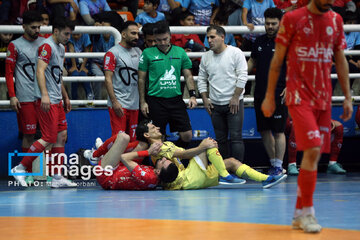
{"points": [[197, 177]]}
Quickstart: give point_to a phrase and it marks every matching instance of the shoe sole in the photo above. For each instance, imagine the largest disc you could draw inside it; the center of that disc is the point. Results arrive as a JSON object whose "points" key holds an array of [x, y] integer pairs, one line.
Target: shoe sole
{"points": [[276, 182], [228, 184]]}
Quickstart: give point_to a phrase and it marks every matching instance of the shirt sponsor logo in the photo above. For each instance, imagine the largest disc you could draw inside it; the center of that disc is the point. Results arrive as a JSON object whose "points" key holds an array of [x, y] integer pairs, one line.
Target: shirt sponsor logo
{"points": [[324, 129], [314, 54], [168, 81], [141, 60]]}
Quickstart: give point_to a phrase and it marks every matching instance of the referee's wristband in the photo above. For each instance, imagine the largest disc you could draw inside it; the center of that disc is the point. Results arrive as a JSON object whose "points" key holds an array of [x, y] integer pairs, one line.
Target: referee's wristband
{"points": [[192, 93], [144, 153]]}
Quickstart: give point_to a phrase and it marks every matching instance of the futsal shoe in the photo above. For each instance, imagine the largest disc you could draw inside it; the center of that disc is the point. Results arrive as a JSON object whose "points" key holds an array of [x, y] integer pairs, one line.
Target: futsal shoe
{"points": [[98, 143], [307, 223], [335, 169], [88, 154], [19, 178], [292, 170], [276, 171], [62, 182], [29, 180], [231, 180], [273, 180]]}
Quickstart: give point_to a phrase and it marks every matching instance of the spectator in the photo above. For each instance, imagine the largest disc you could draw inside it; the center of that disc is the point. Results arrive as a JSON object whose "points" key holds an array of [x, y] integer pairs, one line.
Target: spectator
{"points": [[341, 6], [234, 11], [252, 15], [45, 21], [63, 8], [182, 40], [150, 14], [5, 39], [88, 8], [5, 9], [286, 5], [79, 66], [202, 10], [172, 9], [164, 103], [132, 5], [148, 35], [271, 128], [337, 131], [224, 69]]}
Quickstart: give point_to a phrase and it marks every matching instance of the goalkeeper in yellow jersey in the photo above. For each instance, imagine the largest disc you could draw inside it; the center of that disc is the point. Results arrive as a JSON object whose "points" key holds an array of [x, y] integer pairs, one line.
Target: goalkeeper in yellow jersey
{"points": [[199, 174]]}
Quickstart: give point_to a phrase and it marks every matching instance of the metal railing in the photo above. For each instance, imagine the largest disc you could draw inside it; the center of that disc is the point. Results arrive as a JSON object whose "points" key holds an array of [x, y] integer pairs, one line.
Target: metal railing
{"points": [[174, 29]]}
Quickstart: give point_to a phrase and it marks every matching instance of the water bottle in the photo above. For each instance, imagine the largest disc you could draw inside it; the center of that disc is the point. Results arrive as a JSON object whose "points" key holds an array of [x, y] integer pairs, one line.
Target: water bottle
{"points": [[200, 133], [191, 44], [91, 98]]}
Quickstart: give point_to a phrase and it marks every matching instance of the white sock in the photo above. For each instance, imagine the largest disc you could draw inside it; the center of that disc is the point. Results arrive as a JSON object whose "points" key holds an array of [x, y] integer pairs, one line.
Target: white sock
{"points": [[20, 167], [297, 213], [308, 211], [331, 162], [272, 162], [278, 163]]}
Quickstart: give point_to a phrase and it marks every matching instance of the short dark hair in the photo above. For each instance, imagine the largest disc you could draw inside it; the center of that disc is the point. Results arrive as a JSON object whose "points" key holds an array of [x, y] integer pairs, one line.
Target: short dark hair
{"points": [[169, 174], [273, 13], [154, 2], [61, 23], [31, 16], [141, 129], [148, 29], [126, 25], [184, 15], [161, 27], [219, 30]]}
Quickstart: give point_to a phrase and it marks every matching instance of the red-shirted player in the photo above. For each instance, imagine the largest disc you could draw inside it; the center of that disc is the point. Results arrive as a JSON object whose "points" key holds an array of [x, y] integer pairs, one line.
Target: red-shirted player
{"points": [[309, 37], [124, 159]]}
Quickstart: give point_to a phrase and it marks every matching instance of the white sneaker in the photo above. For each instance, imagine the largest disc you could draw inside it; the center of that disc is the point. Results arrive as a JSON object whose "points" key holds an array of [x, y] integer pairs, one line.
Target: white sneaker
{"points": [[88, 154], [62, 182], [307, 223], [98, 142], [19, 178]]}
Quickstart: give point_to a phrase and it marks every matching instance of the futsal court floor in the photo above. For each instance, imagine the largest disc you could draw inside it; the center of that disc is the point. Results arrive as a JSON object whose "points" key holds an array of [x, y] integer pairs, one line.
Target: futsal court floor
{"points": [[244, 212]]}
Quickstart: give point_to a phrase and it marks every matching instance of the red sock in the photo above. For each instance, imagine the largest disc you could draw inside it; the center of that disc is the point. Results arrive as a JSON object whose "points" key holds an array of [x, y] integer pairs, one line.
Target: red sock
{"points": [[336, 143], [103, 149], [36, 147], [292, 147], [307, 183], [57, 161]]}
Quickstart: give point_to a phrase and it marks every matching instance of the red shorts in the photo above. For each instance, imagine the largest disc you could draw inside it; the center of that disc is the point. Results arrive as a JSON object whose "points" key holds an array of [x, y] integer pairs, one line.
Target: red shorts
{"points": [[312, 127], [51, 122], [141, 178], [126, 123], [26, 118]]}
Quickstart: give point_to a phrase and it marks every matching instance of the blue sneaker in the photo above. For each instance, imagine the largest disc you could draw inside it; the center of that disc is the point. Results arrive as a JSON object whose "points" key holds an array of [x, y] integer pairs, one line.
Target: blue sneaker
{"points": [[273, 180], [275, 170], [231, 180]]}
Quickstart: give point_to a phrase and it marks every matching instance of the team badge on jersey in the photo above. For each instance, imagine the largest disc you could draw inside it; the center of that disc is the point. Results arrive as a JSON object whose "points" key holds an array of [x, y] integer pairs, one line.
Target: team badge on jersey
{"points": [[329, 30], [43, 52]]}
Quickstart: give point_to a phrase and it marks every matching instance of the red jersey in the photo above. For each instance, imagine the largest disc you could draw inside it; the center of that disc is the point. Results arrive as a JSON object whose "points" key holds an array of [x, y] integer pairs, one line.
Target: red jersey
{"points": [[311, 40]]}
